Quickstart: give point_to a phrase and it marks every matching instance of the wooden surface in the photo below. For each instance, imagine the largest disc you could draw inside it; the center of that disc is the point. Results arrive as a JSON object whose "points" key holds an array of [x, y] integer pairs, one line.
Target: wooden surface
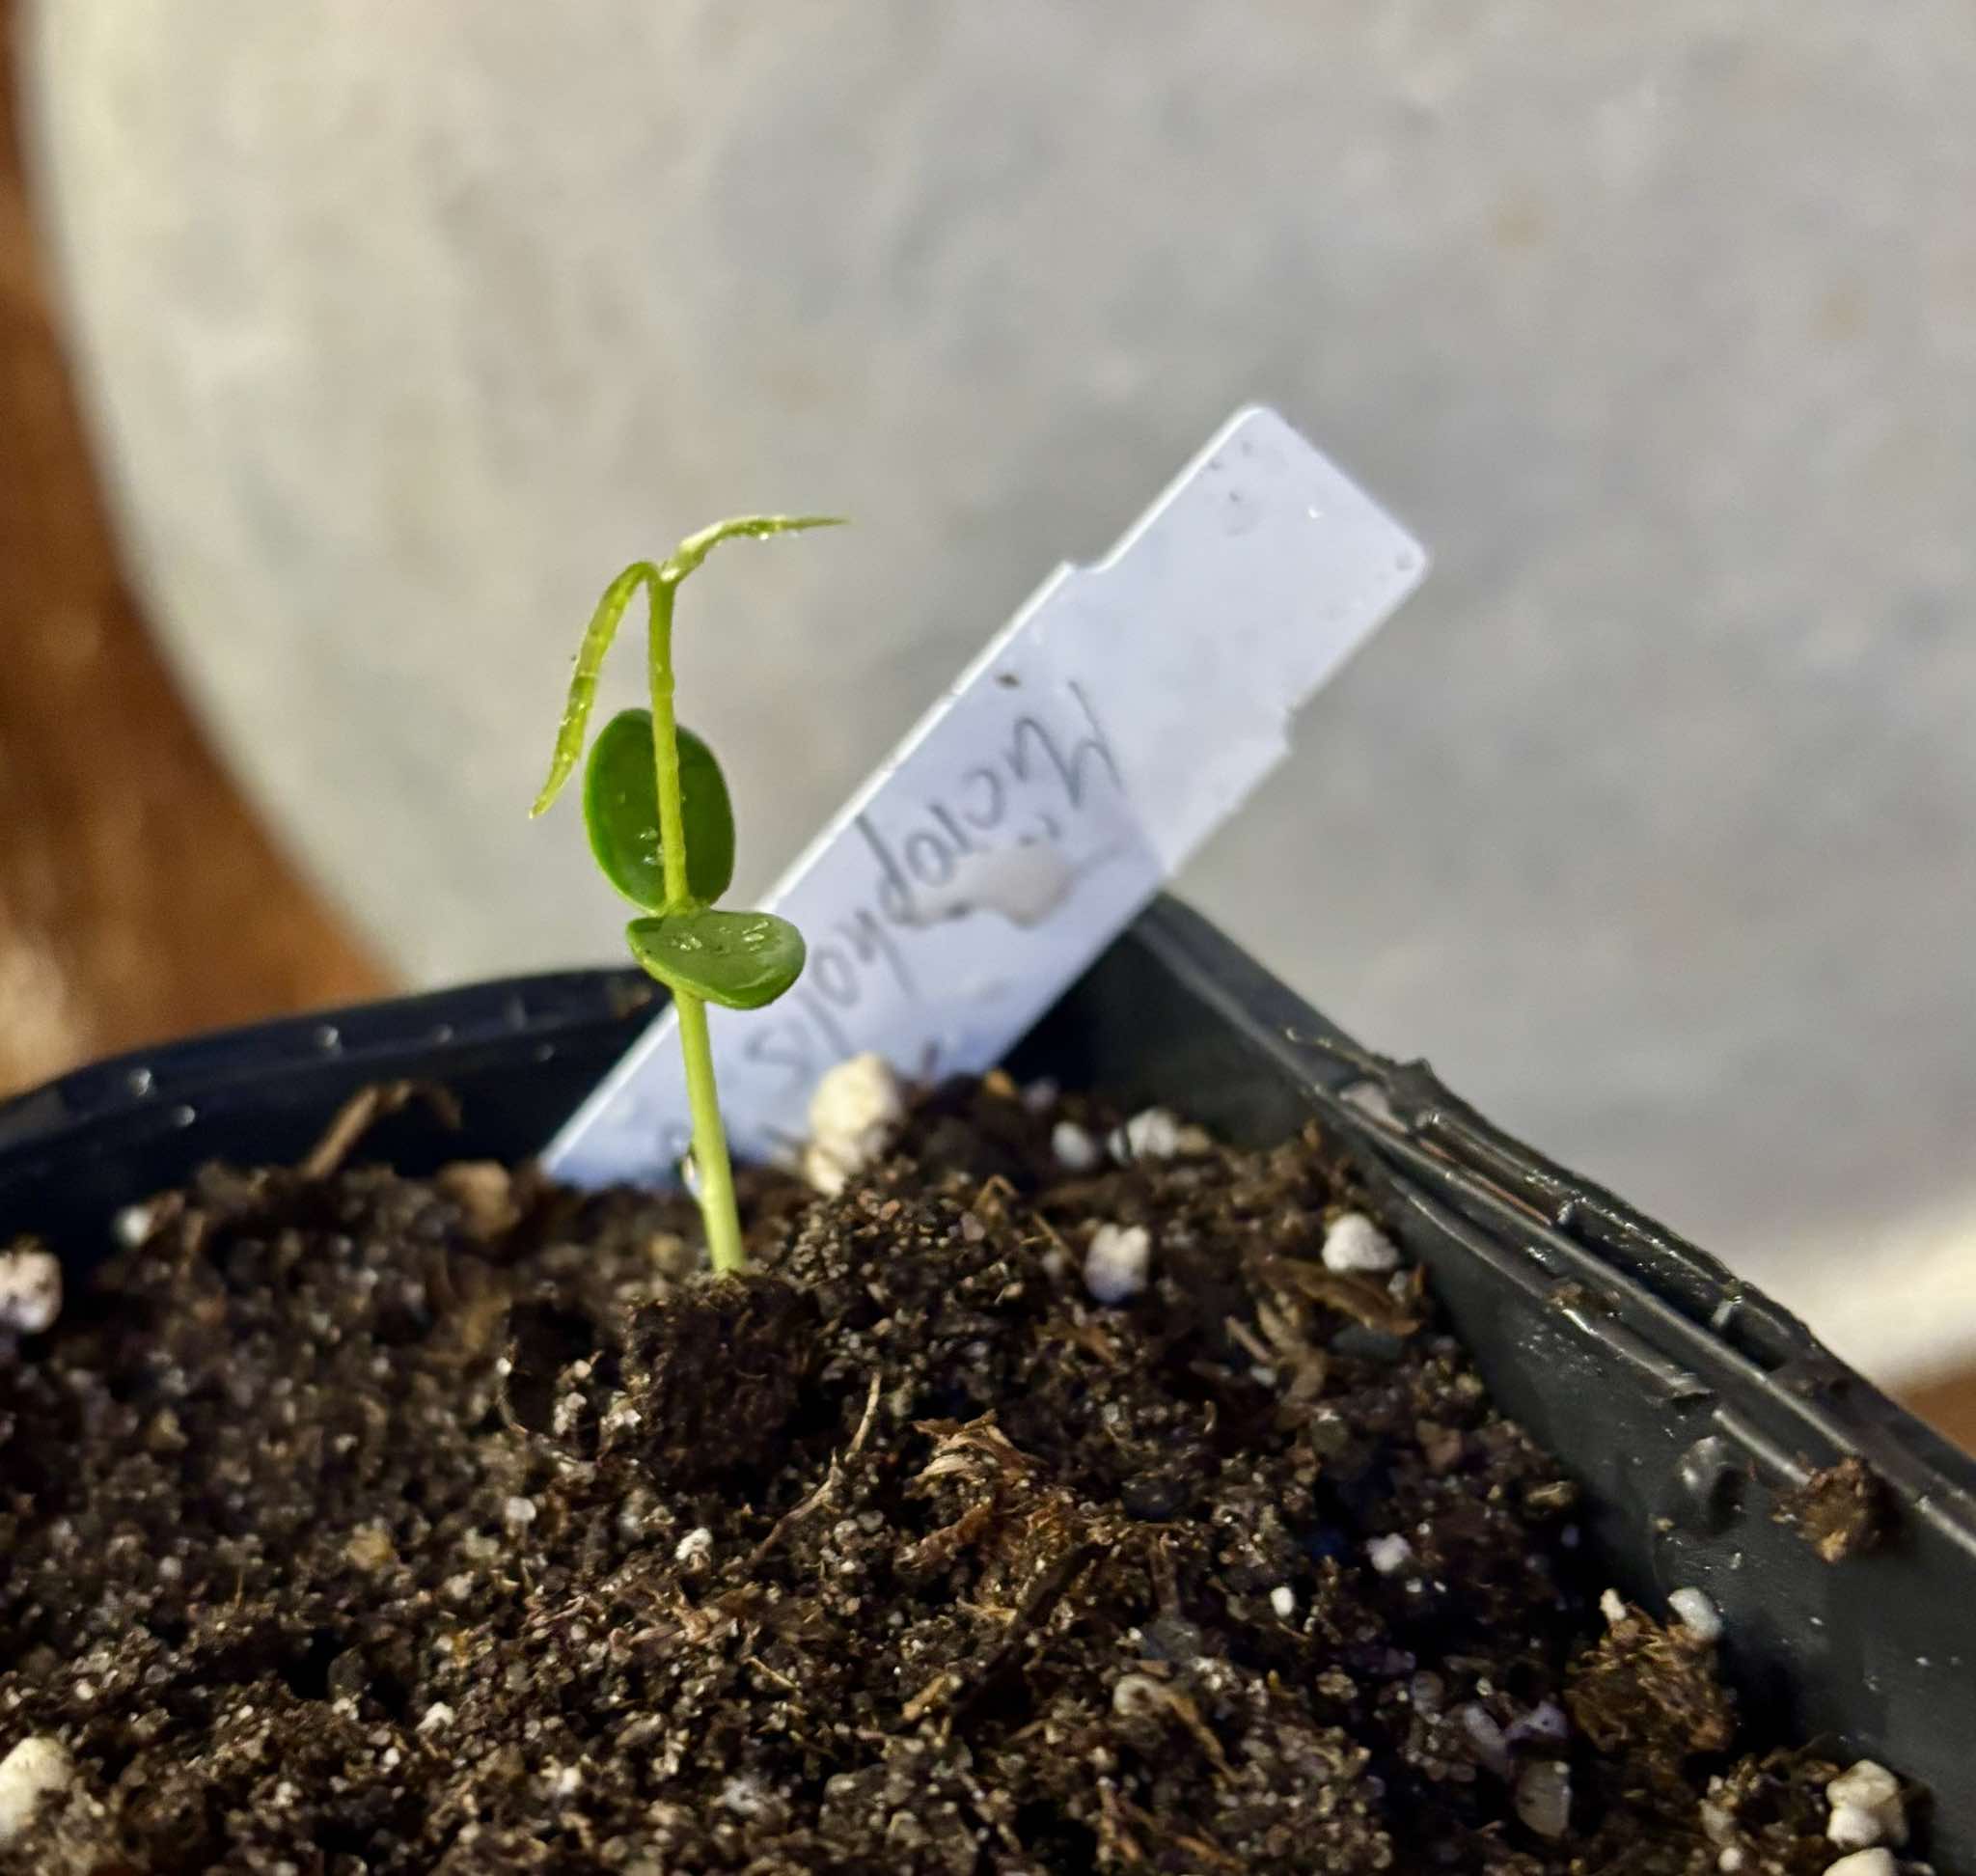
{"points": [[138, 897], [1949, 1406]]}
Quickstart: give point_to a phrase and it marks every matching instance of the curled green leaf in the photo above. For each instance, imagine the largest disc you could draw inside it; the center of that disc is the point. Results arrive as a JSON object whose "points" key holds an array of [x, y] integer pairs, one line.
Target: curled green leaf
{"points": [[740, 960], [696, 547], [583, 681], [609, 613], [620, 814]]}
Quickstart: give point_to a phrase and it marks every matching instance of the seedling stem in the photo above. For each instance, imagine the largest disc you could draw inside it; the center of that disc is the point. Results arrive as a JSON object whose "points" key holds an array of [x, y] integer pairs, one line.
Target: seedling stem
{"points": [[743, 959]]}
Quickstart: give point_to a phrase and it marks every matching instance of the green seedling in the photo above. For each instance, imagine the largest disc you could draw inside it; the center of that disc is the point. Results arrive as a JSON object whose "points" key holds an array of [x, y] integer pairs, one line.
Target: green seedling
{"points": [[661, 830]]}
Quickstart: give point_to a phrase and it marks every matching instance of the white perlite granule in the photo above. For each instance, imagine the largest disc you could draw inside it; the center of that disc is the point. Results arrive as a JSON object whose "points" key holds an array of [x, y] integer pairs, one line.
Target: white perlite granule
{"points": [[30, 1289], [1696, 1613], [38, 1768], [695, 1547], [1116, 1263], [1353, 1244], [1867, 1808], [1542, 1797], [1853, 1829], [1484, 1737], [1865, 1862], [853, 1114], [1544, 1722], [1388, 1554], [1076, 1149], [1154, 1134]]}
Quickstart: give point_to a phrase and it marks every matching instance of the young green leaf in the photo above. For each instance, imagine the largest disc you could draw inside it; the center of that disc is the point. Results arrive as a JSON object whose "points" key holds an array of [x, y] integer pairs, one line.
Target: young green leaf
{"points": [[695, 548], [582, 681], [740, 960], [621, 812]]}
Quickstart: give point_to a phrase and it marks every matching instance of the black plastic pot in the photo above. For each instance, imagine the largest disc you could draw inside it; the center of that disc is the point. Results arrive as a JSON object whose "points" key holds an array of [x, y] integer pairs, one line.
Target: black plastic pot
{"points": [[1682, 1400]]}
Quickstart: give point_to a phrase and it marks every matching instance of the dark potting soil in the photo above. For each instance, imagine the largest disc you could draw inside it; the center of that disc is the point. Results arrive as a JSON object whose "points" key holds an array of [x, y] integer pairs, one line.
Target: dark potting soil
{"points": [[363, 1523]]}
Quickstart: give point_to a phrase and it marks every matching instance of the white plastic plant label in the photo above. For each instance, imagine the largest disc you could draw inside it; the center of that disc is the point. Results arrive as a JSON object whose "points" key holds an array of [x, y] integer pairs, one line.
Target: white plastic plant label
{"points": [[1123, 714]]}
